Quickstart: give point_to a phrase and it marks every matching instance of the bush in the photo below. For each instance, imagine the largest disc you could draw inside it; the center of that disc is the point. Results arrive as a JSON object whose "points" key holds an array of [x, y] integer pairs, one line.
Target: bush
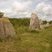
{"points": [[44, 22], [1, 14], [50, 22]]}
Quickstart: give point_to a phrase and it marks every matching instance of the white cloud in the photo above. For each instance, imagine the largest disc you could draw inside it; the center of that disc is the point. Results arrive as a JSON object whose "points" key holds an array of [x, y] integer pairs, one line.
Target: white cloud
{"points": [[24, 8], [15, 8], [44, 11], [19, 6], [8, 12]]}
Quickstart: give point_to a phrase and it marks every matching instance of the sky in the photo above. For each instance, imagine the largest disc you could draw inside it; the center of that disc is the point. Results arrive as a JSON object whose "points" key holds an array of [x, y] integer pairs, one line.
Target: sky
{"points": [[24, 8]]}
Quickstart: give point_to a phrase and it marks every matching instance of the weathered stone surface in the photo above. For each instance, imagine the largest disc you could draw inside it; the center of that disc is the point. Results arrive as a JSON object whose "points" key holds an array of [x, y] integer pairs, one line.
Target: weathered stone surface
{"points": [[6, 28], [34, 22]]}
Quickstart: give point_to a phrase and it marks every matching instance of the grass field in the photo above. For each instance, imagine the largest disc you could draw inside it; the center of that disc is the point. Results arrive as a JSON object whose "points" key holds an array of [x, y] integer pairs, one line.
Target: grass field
{"points": [[27, 40]]}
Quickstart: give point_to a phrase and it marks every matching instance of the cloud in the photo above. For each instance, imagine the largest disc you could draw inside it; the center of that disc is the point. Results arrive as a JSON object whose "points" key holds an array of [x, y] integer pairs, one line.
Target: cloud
{"points": [[22, 9], [19, 6], [44, 11], [9, 12], [16, 8]]}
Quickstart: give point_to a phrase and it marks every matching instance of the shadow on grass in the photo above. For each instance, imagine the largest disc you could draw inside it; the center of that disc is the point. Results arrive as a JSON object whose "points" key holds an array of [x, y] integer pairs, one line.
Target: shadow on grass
{"points": [[33, 31]]}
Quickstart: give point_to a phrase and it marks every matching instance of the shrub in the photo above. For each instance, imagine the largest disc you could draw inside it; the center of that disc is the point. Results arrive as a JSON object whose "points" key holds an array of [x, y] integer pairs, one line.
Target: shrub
{"points": [[1, 14]]}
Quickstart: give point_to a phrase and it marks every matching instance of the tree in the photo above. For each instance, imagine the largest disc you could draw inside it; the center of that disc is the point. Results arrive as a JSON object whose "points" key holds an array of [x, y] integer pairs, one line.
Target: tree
{"points": [[1, 14], [44, 22], [50, 22]]}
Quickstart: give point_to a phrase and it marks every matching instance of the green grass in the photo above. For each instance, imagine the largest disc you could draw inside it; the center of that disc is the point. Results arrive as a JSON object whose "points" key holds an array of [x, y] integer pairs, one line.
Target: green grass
{"points": [[26, 40]]}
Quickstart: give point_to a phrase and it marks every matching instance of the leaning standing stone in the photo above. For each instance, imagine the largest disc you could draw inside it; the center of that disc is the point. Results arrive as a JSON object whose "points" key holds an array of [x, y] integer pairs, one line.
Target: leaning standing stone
{"points": [[6, 29]]}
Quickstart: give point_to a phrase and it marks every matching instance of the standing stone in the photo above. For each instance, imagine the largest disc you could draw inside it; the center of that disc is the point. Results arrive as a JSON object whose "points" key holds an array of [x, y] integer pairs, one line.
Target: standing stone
{"points": [[34, 22], [6, 28]]}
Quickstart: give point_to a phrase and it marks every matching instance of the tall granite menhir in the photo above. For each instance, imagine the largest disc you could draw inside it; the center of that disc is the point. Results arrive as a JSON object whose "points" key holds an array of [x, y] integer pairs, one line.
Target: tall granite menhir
{"points": [[34, 22], [6, 28]]}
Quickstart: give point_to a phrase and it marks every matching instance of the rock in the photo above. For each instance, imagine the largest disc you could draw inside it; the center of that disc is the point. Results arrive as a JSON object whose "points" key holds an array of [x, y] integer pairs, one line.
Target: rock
{"points": [[34, 22], [6, 29]]}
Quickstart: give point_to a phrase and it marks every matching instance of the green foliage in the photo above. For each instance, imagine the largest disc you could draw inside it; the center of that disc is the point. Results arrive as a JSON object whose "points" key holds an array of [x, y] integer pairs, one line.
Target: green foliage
{"points": [[44, 22], [20, 22], [1, 14], [50, 22]]}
